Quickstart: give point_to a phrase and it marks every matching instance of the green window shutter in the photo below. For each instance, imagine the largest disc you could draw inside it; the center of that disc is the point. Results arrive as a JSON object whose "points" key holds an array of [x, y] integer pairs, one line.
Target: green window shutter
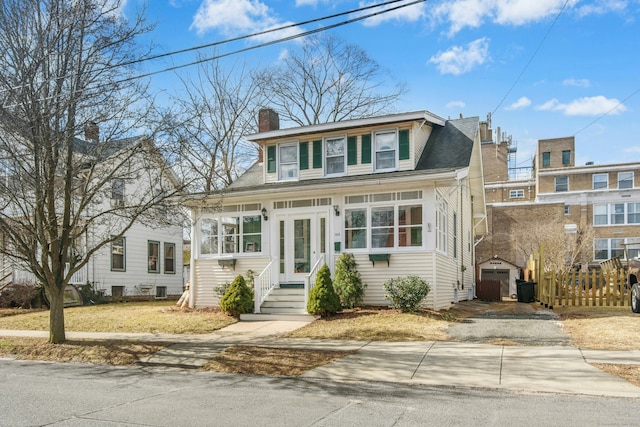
{"points": [[271, 158], [366, 148], [317, 154], [403, 144], [304, 155], [352, 150]]}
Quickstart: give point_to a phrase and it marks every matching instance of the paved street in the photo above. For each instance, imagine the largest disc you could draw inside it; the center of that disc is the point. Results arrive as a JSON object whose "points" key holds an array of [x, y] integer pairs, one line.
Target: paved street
{"points": [[36, 394]]}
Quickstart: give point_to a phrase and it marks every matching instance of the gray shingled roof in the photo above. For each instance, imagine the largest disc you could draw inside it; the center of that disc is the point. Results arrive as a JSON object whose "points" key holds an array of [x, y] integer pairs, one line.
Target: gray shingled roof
{"points": [[449, 146]]}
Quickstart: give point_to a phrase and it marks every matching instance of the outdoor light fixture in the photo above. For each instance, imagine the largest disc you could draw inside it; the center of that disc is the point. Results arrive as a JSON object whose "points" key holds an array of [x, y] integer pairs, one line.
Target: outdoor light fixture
{"points": [[264, 214], [336, 209]]}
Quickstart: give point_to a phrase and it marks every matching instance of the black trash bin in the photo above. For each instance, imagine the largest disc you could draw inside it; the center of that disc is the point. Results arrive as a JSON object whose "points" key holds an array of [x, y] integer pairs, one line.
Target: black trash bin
{"points": [[525, 291]]}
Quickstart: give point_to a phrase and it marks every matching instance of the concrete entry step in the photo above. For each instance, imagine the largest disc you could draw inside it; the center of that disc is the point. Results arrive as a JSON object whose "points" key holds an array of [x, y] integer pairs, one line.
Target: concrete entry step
{"points": [[278, 316]]}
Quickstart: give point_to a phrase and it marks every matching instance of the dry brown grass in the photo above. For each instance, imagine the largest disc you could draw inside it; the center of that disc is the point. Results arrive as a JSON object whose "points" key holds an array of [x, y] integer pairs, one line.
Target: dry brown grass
{"points": [[253, 360], [144, 317], [601, 328], [371, 324], [630, 373], [109, 352]]}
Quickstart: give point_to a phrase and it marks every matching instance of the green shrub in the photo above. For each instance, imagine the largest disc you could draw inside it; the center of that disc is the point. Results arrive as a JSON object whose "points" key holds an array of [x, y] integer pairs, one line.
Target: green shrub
{"points": [[406, 293], [347, 281], [238, 298], [323, 299]]}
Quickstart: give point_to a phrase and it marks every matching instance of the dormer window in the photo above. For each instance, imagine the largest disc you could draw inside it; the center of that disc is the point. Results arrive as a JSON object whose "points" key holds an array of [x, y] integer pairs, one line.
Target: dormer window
{"points": [[386, 146], [335, 159], [288, 162]]}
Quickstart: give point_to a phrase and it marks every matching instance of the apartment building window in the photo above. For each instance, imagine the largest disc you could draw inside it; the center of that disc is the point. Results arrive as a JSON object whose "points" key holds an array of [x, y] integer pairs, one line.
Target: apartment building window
{"points": [[153, 251], [562, 183], [118, 254], [287, 162], [625, 180], [335, 158], [516, 194], [616, 214], [600, 181], [546, 159], [609, 248], [386, 147], [169, 258], [567, 209], [566, 157]]}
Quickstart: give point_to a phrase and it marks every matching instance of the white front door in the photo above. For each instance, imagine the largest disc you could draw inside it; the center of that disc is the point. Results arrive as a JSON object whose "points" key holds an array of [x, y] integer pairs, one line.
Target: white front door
{"points": [[302, 241]]}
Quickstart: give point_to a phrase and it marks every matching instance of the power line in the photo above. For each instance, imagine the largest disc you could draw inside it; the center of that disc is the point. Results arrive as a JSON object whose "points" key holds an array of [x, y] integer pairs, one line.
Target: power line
{"points": [[292, 37], [609, 111], [259, 33], [531, 58]]}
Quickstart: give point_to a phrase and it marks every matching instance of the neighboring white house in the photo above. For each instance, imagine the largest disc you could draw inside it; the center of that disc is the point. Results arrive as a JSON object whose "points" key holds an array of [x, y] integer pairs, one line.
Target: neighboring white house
{"points": [[403, 193], [147, 259]]}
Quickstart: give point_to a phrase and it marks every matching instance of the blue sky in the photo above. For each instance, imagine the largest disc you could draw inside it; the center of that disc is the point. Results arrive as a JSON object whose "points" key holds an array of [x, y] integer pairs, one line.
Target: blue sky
{"points": [[544, 68]]}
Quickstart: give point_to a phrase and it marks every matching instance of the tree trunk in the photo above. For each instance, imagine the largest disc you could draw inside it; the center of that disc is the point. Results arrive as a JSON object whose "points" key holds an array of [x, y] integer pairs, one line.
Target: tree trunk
{"points": [[56, 314]]}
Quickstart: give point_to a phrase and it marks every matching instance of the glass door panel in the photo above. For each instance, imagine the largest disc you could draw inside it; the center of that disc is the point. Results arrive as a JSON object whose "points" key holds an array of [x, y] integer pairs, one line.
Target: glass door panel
{"points": [[302, 245]]}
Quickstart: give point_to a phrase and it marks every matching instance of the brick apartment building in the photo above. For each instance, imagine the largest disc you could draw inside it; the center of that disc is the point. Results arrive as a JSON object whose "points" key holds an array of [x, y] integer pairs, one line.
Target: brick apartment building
{"points": [[554, 188]]}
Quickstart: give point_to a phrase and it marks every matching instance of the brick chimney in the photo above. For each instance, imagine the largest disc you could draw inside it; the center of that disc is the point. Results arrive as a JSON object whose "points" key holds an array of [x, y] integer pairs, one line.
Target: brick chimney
{"points": [[91, 132], [267, 120]]}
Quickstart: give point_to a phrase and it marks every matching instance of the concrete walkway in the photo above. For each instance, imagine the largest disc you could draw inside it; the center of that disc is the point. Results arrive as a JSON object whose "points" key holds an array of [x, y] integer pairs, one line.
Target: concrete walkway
{"points": [[553, 369]]}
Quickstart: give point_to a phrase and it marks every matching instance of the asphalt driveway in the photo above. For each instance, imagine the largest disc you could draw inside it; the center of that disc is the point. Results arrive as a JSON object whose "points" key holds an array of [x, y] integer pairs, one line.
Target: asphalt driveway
{"points": [[509, 322]]}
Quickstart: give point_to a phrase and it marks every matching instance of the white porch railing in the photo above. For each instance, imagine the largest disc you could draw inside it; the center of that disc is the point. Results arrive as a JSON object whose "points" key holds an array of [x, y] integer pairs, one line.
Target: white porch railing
{"points": [[310, 279], [262, 286], [23, 276]]}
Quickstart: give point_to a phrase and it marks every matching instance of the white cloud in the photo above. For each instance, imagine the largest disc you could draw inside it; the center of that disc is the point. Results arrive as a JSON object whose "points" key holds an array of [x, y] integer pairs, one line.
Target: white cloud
{"points": [[587, 106], [523, 102], [576, 82], [233, 17], [455, 105], [459, 60], [405, 14], [601, 7], [632, 150], [473, 13]]}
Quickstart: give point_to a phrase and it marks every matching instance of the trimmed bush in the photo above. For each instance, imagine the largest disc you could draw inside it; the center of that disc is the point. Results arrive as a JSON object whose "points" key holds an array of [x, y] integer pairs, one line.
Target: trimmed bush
{"points": [[323, 299], [19, 295], [347, 281], [238, 298], [406, 293]]}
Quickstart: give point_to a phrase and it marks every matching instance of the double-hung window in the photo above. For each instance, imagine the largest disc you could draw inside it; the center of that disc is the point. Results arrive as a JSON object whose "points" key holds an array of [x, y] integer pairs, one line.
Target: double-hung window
{"points": [[117, 192], [382, 227], [386, 150], [169, 258], [335, 159], [562, 184], [625, 180], [153, 250], [118, 254], [287, 162], [546, 159], [410, 225], [230, 230], [600, 181], [566, 157], [355, 224]]}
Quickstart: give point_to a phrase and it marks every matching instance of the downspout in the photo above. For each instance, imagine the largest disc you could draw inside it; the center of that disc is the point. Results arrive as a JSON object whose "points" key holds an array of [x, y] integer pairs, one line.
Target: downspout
{"points": [[194, 247]]}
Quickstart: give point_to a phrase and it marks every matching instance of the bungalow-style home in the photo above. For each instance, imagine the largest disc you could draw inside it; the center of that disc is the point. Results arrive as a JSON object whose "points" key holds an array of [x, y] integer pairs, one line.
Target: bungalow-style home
{"points": [[147, 258], [402, 192]]}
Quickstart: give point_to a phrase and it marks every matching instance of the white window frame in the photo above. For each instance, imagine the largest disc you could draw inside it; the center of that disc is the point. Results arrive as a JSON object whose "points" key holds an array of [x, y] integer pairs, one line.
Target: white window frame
{"points": [[228, 237], [165, 258], [516, 194], [612, 248], [597, 185], [326, 155], [442, 224], [114, 246], [118, 190], [612, 210], [153, 258], [630, 179], [395, 150], [556, 184], [281, 163]]}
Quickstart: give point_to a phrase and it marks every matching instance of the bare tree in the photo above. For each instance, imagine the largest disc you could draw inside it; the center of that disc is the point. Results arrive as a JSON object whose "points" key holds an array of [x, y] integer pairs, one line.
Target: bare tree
{"points": [[63, 70], [563, 248], [328, 81], [214, 113]]}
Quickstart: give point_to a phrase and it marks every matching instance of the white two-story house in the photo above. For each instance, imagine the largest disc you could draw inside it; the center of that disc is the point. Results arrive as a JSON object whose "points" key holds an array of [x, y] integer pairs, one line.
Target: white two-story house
{"points": [[402, 192]]}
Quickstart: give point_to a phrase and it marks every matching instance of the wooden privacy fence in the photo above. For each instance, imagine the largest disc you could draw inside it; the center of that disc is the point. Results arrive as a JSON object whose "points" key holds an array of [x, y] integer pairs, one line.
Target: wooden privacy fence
{"points": [[604, 288]]}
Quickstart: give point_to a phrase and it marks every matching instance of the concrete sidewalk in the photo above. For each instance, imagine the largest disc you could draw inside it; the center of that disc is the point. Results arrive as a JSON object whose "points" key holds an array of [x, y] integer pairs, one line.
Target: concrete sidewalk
{"points": [[553, 369]]}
